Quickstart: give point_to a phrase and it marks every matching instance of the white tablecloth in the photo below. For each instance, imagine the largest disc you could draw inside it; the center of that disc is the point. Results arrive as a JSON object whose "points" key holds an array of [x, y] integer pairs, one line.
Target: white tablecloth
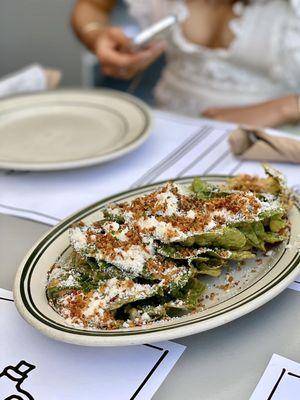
{"points": [[177, 147]]}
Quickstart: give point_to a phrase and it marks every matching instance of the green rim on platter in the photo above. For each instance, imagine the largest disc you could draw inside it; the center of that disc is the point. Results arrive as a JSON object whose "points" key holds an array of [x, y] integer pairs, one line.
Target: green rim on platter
{"points": [[274, 279]]}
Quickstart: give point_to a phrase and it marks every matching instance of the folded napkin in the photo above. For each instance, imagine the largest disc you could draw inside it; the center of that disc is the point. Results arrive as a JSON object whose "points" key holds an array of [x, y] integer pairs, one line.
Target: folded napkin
{"points": [[30, 79], [254, 144]]}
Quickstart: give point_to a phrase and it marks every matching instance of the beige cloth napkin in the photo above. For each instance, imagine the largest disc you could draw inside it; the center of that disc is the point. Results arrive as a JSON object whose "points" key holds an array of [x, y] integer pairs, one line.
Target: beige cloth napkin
{"points": [[53, 77], [255, 144]]}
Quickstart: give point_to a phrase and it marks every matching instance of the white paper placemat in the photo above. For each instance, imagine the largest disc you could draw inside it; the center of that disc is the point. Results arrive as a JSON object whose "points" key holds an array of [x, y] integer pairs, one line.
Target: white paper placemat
{"points": [[33, 366], [296, 284], [280, 381]]}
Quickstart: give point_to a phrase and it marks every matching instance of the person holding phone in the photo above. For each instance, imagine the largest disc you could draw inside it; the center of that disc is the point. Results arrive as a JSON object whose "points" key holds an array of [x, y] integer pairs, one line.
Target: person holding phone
{"points": [[121, 68], [228, 60]]}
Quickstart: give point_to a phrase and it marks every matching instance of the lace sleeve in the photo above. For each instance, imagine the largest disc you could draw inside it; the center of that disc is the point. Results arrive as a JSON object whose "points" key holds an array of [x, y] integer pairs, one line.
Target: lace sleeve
{"points": [[287, 61]]}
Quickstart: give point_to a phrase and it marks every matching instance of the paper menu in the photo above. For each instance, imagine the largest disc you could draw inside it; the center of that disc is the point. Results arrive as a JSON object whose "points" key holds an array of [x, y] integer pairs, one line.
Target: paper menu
{"points": [[36, 367], [280, 381]]}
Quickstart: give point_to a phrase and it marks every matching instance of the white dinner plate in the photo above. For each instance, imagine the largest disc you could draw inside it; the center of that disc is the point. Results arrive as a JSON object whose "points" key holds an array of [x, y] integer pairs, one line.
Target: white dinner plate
{"points": [[66, 129], [257, 283]]}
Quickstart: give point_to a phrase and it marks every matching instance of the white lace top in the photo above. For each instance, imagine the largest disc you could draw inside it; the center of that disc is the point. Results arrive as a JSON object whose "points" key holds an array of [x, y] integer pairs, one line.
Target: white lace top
{"points": [[262, 62]]}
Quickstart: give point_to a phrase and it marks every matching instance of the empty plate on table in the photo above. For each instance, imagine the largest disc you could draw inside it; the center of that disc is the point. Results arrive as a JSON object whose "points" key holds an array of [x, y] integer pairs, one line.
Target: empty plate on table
{"points": [[257, 283], [70, 128]]}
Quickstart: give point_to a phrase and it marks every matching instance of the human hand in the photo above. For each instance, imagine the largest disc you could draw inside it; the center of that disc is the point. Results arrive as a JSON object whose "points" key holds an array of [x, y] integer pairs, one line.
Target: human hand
{"points": [[112, 48], [270, 113]]}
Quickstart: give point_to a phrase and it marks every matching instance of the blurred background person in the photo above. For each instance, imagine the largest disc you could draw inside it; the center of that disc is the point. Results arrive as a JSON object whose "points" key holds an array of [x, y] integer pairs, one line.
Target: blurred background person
{"points": [[228, 60]]}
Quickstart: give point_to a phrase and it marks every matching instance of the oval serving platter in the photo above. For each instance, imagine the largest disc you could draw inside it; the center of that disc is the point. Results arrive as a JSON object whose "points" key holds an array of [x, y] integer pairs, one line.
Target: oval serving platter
{"points": [[257, 282], [67, 129]]}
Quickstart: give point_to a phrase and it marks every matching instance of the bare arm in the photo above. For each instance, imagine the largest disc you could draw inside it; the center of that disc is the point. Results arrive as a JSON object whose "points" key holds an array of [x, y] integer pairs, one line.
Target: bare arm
{"points": [[271, 113], [87, 12]]}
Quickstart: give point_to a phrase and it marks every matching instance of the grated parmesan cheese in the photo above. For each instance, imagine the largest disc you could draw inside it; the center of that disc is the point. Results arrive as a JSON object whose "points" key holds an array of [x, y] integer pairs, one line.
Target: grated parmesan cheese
{"points": [[132, 260], [191, 214], [78, 239], [169, 200]]}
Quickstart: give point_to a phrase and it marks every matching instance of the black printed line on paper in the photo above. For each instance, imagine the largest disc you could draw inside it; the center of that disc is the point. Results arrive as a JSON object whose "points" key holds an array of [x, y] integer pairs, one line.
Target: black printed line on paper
{"points": [[6, 299], [294, 375], [276, 384], [151, 372], [153, 347]]}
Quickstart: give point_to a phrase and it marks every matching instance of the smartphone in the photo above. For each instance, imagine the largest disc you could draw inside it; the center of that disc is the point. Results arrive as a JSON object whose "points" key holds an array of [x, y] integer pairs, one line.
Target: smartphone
{"points": [[156, 31]]}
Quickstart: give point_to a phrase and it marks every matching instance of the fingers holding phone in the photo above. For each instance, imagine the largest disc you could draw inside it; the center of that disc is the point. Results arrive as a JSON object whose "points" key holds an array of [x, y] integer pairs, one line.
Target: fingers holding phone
{"points": [[118, 59]]}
